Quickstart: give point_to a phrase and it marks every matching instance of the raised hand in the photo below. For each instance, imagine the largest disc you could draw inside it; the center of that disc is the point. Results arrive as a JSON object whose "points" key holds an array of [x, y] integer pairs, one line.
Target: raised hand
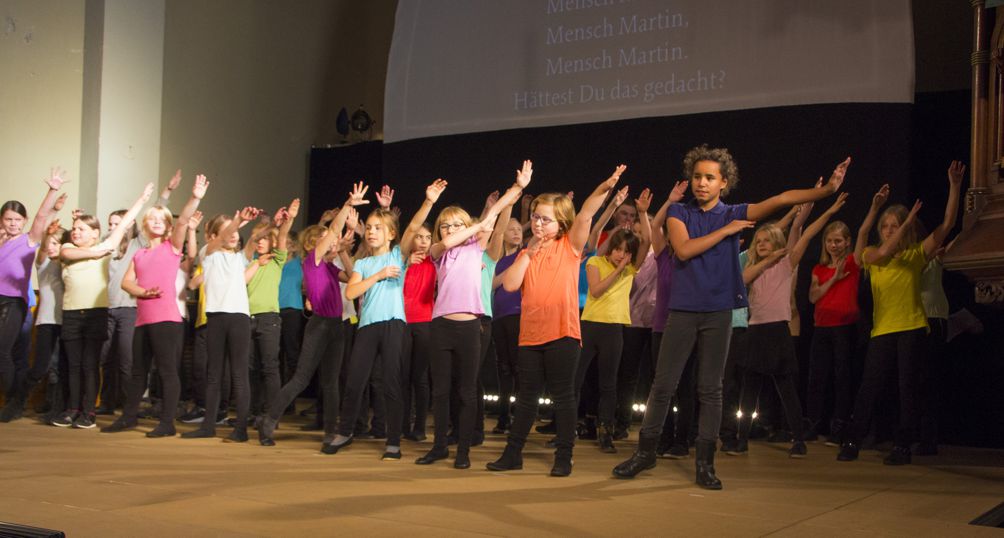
{"points": [[53, 227], [621, 196], [433, 191], [195, 220], [956, 171], [524, 174], [486, 225], [200, 187], [346, 241], [328, 215], [643, 201], [385, 196], [75, 214], [58, 204], [737, 226], [838, 203], [526, 201], [679, 191], [570, 195], [837, 177], [358, 194], [616, 176], [147, 192], [352, 219], [280, 216], [55, 181], [913, 213], [249, 213], [175, 180], [880, 197], [492, 198], [294, 208]]}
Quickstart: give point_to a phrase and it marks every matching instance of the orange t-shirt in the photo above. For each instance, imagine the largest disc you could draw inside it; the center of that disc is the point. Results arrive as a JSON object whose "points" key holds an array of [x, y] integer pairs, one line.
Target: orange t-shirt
{"points": [[550, 308]]}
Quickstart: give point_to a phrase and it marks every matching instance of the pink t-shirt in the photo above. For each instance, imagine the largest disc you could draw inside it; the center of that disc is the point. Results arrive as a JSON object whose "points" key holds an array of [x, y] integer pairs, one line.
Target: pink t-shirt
{"points": [[770, 294], [458, 275], [157, 267]]}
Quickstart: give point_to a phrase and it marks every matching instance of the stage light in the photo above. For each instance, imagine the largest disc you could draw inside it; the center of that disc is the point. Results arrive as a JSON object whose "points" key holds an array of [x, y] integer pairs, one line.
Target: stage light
{"points": [[547, 401], [754, 415], [675, 410], [540, 401], [512, 399], [739, 413]]}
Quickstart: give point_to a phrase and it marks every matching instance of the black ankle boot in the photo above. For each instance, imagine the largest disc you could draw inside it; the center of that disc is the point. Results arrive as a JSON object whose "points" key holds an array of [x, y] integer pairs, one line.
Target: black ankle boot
{"points": [[239, 435], [164, 429], [511, 460], [606, 439], [463, 460], [643, 459], [562, 463], [706, 466]]}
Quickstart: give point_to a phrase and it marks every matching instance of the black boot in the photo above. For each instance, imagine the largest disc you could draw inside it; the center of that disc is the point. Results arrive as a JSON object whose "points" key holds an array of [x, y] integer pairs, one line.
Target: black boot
{"points": [[562, 462], [606, 439], [511, 459], [643, 458], [706, 466]]}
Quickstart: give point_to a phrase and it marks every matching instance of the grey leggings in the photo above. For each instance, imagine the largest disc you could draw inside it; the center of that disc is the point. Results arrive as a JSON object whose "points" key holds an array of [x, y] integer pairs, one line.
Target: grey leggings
{"points": [[710, 332]]}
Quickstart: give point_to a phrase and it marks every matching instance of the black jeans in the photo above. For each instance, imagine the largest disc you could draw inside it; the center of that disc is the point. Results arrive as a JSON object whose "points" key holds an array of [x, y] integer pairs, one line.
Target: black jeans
{"points": [[902, 353], [12, 313], [291, 337], [228, 335], [732, 383], [637, 344], [603, 341], [505, 332], [415, 351], [266, 332], [832, 348], [117, 356], [456, 351], [552, 364], [84, 331], [710, 332], [377, 345], [323, 350], [159, 342]]}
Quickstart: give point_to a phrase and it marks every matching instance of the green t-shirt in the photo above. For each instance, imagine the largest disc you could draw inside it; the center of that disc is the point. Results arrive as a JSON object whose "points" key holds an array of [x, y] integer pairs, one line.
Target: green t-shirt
{"points": [[263, 289], [487, 275]]}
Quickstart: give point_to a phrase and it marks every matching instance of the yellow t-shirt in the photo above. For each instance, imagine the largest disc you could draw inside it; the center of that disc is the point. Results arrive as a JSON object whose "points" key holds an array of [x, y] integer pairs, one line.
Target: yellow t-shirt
{"points": [[200, 317], [614, 305], [896, 292], [85, 283]]}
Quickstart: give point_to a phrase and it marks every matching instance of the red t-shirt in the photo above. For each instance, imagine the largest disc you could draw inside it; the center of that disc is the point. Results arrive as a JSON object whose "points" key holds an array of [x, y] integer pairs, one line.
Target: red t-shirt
{"points": [[419, 291], [839, 306]]}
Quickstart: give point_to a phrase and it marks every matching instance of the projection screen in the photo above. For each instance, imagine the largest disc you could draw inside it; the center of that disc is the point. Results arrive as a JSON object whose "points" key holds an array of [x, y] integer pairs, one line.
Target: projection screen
{"points": [[461, 66]]}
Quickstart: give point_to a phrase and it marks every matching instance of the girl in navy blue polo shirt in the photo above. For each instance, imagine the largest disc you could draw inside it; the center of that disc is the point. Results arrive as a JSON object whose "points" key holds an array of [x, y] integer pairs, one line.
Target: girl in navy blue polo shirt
{"points": [[707, 284]]}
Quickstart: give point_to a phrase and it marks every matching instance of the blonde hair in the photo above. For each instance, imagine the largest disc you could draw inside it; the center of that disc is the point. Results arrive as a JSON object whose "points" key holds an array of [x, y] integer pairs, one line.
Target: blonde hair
{"points": [[217, 223], [310, 236], [168, 219], [273, 232], [776, 237], [835, 226], [389, 219], [450, 212], [564, 211], [900, 212]]}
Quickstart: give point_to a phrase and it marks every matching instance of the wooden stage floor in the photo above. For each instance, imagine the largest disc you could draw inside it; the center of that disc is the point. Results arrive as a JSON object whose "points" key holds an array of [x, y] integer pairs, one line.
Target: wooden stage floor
{"points": [[91, 484]]}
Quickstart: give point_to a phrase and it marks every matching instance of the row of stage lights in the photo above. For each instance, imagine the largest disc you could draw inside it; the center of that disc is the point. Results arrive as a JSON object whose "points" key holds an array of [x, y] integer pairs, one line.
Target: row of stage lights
{"points": [[636, 407]]}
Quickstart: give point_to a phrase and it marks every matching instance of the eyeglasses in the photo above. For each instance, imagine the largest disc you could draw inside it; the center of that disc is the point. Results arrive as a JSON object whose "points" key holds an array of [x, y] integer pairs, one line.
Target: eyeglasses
{"points": [[543, 220], [451, 226]]}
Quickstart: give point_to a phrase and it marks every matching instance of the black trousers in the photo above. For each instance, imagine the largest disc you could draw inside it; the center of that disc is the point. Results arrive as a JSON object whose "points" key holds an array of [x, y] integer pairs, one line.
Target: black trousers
{"points": [[159, 343], [12, 313], [732, 383], [604, 342], [266, 334], [900, 354], [637, 345], [553, 364], [456, 352], [487, 352], [116, 357], [377, 345], [505, 332], [322, 351], [291, 336], [84, 331], [830, 358], [415, 351], [228, 335]]}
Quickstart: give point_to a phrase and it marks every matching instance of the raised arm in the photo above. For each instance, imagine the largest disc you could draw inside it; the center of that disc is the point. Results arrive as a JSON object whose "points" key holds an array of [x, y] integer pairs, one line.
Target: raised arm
{"points": [[55, 181], [432, 193], [288, 216], [523, 177], [594, 233], [192, 243], [866, 227], [765, 208], [181, 226], [495, 243], [888, 247], [658, 224], [797, 250], [685, 247], [244, 215], [356, 198], [112, 241], [753, 272], [956, 171], [642, 203], [460, 237], [512, 278], [580, 228]]}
